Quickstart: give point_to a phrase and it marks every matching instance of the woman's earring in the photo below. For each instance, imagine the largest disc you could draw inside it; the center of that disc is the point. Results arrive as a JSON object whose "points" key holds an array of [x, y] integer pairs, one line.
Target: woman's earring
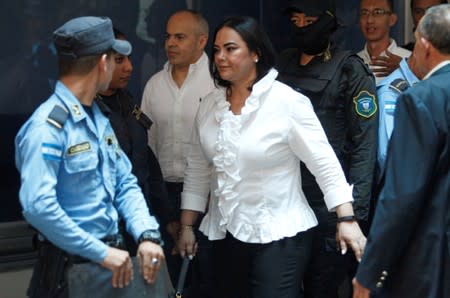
{"points": [[256, 60]]}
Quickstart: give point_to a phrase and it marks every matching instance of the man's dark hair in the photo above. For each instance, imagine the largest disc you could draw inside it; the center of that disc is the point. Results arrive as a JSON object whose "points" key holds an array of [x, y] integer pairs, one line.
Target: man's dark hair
{"points": [[411, 3], [256, 40], [390, 4], [80, 66], [435, 27]]}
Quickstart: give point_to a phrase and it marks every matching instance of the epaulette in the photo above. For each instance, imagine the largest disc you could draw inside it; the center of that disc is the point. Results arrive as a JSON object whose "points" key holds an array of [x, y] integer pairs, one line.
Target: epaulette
{"points": [[58, 116], [141, 117], [399, 85]]}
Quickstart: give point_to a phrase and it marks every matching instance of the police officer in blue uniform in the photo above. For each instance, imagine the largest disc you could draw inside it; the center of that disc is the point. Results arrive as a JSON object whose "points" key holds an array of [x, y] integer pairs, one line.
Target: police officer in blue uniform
{"points": [[75, 179], [342, 92], [388, 91]]}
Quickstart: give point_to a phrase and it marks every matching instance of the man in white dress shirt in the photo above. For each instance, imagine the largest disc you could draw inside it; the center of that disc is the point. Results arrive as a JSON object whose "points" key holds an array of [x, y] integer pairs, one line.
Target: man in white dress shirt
{"points": [[171, 99], [381, 53]]}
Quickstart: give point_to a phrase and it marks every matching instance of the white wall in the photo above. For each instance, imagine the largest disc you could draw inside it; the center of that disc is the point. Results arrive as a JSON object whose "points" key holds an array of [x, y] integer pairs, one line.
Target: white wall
{"points": [[408, 27]]}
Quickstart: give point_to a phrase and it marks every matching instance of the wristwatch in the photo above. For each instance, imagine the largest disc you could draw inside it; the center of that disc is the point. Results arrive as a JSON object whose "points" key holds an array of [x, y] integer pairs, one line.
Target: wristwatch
{"points": [[152, 236]]}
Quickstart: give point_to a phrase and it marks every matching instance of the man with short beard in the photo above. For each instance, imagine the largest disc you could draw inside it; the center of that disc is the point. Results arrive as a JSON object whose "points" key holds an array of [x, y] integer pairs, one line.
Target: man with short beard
{"points": [[342, 91]]}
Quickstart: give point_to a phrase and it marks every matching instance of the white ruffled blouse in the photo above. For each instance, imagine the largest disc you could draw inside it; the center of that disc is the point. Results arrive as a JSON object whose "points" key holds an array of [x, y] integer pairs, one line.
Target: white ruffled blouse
{"points": [[249, 164]]}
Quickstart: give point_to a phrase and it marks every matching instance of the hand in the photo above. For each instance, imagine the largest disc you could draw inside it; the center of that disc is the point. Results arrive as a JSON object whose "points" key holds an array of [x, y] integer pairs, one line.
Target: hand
{"points": [[173, 228], [186, 242], [119, 262], [359, 291], [385, 65], [150, 256], [350, 233]]}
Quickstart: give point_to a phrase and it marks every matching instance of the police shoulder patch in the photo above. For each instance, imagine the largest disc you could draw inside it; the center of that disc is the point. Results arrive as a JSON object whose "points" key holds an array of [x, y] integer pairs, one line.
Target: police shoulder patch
{"points": [[365, 104], [141, 117], [58, 116], [399, 85]]}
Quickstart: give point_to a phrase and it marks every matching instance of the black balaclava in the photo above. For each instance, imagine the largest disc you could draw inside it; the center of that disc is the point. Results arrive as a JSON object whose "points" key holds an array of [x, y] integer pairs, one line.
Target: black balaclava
{"points": [[314, 39]]}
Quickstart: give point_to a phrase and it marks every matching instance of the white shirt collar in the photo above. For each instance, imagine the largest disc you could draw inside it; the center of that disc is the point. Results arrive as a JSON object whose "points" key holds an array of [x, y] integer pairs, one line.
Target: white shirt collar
{"points": [[203, 59], [391, 48], [436, 68]]}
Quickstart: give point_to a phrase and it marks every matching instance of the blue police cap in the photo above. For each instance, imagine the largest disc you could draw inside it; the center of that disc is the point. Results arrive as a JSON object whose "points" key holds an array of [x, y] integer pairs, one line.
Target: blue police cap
{"points": [[309, 7], [88, 36]]}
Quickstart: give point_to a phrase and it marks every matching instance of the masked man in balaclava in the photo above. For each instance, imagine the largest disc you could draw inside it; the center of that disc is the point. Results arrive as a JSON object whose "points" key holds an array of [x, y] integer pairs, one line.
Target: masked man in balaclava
{"points": [[342, 92]]}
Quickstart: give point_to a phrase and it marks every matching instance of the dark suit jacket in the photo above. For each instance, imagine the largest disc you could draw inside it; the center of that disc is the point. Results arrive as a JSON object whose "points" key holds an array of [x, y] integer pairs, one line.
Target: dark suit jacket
{"points": [[408, 248]]}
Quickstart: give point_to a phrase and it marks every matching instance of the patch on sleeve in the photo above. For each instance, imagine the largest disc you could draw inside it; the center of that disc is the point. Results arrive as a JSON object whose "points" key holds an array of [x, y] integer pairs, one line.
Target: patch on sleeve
{"points": [[51, 151], [389, 107], [365, 104], [86, 146]]}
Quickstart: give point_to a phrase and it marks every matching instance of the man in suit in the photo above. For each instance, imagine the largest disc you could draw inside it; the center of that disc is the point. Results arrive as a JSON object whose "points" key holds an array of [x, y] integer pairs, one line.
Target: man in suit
{"points": [[408, 249]]}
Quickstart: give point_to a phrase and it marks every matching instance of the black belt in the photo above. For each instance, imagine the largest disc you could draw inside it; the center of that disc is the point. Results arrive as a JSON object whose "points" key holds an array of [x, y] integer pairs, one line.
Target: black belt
{"points": [[115, 241]]}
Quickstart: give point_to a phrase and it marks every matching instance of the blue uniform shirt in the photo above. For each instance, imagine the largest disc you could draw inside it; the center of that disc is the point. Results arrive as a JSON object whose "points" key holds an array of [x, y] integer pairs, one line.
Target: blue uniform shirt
{"points": [[75, 179], [387, 97]]}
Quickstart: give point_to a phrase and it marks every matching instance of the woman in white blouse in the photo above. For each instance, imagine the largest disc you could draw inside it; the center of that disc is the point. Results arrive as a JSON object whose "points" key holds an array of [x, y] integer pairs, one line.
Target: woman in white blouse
{"points": [[249, 138]]}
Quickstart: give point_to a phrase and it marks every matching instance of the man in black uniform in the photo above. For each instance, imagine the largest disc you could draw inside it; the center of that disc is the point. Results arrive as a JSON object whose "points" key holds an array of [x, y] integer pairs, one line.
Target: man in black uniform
{"points": [[130, 126], [342, 92]]}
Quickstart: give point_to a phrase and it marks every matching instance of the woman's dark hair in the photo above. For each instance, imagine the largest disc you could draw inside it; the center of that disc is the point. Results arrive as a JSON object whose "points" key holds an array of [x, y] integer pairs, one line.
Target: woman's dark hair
{"points": [[256, 40]]}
